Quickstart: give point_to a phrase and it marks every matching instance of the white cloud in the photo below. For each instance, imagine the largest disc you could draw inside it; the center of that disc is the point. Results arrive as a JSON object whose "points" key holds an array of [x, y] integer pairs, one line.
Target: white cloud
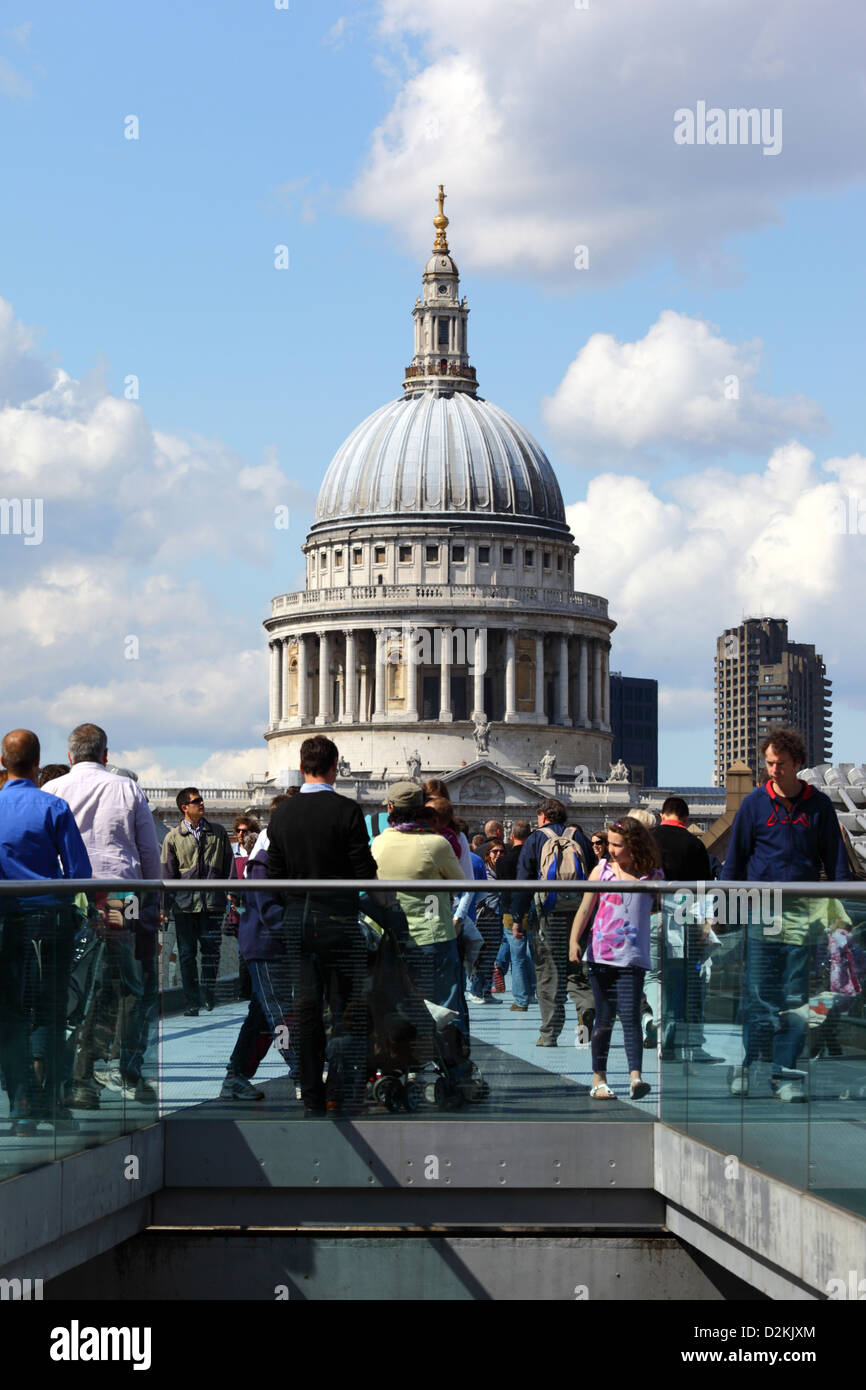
{"points": [[12, 83], [112, 617], [219, 769], [681, 387], [683, 562], [553, 126], [19, 33]]}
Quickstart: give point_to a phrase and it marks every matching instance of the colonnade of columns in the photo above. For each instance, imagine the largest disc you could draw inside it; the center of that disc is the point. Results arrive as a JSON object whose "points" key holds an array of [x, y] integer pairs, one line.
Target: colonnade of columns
{"points": [[576, 665]]}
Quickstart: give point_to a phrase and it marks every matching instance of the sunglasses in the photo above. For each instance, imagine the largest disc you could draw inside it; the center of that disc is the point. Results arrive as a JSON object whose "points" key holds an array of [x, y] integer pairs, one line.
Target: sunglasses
{"points": [[196, 801]]}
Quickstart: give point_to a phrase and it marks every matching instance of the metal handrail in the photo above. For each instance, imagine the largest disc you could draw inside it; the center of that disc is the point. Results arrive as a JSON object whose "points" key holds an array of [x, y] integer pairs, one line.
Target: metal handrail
{"points": [[29, 888]]}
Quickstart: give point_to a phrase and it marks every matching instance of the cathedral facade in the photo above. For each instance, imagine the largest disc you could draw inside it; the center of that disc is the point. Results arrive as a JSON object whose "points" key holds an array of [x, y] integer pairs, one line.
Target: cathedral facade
{"points": [[440, 626]]}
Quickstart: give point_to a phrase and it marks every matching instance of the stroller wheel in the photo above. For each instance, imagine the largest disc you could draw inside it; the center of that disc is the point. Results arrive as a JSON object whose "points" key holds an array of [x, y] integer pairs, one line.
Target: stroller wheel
{"points": [[412, 1094], [436, 1093], [391, 1093], [381, 1089]]}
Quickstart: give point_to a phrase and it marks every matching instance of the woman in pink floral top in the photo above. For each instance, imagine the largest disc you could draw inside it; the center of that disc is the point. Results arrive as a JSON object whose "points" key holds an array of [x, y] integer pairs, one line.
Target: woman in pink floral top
{"points": [[618, 953]]}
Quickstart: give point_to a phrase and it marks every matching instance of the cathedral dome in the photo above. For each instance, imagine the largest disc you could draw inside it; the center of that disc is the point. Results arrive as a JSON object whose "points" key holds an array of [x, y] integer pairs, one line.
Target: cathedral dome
{"points": [[438, 453]]}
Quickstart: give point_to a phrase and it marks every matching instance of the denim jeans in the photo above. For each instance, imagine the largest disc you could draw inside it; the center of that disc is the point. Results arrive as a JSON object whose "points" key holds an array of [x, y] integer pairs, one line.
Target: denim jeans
{"points": [[438, 972], [490, 926], [617, 990], [118, 1012], [517, 951], [776, 983]]}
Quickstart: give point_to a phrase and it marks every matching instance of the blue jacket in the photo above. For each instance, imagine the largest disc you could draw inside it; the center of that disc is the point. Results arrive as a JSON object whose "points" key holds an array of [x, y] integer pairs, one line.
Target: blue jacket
{"points": [[260, 916], [769, 844], [38, 839]]}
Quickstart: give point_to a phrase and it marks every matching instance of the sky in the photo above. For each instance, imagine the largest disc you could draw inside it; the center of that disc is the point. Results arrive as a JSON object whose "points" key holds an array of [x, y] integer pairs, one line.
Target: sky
{"points": [[674, 312]]}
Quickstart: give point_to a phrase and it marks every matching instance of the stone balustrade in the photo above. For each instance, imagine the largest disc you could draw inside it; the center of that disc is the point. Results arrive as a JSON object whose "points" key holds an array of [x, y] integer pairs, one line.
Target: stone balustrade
{"points": [[498, 596]]}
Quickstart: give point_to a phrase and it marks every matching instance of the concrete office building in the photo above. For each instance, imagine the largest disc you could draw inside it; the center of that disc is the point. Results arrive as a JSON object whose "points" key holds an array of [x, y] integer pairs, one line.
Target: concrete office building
{"points": [[761, 680]]}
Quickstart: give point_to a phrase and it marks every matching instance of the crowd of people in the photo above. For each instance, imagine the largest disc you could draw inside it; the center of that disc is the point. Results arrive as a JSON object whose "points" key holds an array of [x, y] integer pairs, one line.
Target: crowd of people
{"points": [[305, 956]]}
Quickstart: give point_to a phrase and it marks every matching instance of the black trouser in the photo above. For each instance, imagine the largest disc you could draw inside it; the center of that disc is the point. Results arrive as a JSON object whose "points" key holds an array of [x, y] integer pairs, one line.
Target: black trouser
{"points": [[16, 950], [56, 939], [196, 929], [329, 958]]}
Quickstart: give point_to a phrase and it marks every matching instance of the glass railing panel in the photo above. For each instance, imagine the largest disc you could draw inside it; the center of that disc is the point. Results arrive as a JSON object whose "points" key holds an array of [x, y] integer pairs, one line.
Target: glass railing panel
{"points": [[782, 1082], [433, 1020], [835, 1051], [57, 979]]}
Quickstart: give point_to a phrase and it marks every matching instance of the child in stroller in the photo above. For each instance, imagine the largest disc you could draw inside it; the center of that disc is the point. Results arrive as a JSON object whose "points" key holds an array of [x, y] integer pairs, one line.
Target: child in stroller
{"points": [[415, 1051]]}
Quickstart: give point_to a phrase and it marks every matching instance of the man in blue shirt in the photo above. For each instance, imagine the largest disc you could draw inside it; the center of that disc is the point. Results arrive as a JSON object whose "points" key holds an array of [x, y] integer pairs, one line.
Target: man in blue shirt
{"points": [[38, 839], [785, 831]]}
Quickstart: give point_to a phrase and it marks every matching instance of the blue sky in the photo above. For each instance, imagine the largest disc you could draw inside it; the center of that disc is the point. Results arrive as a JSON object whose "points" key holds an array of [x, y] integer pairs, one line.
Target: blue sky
{"points": [[258, 127]]}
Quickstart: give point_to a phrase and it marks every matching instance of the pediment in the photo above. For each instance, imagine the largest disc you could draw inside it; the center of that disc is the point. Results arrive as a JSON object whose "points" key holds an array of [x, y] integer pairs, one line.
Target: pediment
{"points": [[486, 782]]}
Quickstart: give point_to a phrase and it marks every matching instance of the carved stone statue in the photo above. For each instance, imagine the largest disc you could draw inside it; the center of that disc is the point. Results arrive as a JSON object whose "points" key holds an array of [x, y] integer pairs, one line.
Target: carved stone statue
{"points": [[413, 765], [618, 771], [344, 767], [548, 763], [481, 734]]}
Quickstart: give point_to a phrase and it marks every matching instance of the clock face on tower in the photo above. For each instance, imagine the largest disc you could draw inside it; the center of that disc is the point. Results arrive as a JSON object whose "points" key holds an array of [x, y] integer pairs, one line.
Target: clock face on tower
{"points": [[443, 289]]}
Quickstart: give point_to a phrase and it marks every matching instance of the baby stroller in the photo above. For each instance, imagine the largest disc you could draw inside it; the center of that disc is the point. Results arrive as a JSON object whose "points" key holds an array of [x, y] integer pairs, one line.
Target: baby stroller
{"points": [[416, 1053]]}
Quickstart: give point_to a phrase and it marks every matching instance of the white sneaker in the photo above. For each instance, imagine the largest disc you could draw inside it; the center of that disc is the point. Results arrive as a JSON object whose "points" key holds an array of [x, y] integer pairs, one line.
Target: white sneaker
{"points": [[475, 998], [738, 1081], [789, 1088]]}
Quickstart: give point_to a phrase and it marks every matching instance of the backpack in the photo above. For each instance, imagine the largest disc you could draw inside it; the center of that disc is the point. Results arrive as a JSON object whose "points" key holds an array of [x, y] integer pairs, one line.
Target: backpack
{"points": [[561, 858]]}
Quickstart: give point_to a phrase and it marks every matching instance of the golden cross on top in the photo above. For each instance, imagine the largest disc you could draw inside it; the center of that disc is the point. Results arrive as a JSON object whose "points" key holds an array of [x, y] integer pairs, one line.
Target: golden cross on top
{"points": [[440, 222]]}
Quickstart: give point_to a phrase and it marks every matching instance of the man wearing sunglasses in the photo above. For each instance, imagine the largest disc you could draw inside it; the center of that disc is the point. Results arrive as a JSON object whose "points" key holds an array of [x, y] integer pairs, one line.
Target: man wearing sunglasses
{"points": [[197, 849]]}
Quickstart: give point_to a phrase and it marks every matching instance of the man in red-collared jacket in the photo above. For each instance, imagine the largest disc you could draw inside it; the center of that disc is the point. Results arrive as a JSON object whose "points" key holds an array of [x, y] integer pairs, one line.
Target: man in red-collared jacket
{"points": [[785, 831]]}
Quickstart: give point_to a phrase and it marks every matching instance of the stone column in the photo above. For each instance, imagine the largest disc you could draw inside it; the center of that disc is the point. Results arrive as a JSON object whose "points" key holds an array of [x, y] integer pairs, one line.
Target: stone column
{"points": [[563, 712], [364, 710], [324, 715], [276, 676], [540, 716], [478, 672], [410, 671], [379, 693], [303, 679], [446, 652], [605, 690], [596, 684], [284, 690], [583, 686], [350, 714], [510, 678]]}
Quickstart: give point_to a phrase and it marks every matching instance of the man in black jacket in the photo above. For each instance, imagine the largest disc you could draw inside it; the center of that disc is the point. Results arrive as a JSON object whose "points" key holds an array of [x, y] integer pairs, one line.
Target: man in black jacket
{"points": [[677, 949], [320, 834]]}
